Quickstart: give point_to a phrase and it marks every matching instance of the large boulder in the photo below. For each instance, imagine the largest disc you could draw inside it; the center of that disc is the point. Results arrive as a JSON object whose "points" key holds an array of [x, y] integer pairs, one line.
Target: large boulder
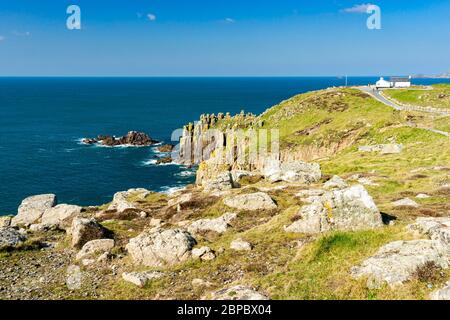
{"points": [[85, 230], [251, 202], [238, 292], [347, 209], [219, 225], [10, 238], [60, 216], [295, 171], [123, 200], [161, 247], [398, 261], [32, 209], [94, 247]]}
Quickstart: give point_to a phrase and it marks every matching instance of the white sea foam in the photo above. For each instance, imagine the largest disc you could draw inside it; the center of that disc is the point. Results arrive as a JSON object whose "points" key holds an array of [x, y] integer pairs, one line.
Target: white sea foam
{"points": [[186, 173], [171, 190], [149, 162]]}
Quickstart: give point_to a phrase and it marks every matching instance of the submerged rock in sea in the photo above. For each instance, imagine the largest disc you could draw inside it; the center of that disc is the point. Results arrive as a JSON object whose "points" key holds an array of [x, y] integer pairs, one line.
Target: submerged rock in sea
{"points": [[132, 138]]}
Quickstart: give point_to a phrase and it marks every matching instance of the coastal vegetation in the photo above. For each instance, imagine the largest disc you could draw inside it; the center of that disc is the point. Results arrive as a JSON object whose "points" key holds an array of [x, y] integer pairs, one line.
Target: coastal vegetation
{"points": [[392, 155]]}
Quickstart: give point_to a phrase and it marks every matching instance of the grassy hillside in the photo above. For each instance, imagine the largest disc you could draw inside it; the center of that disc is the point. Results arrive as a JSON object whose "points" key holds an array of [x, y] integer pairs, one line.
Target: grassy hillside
{"points": [[437, 96]]}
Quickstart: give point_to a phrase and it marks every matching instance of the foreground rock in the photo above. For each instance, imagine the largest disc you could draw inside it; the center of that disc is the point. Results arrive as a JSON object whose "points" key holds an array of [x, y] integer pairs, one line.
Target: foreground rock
{"points": [[296, 171], [60, 216], [251, 202], [95, 247], [238, 293], [219, 225], [141, 279], [161, 247], [85, 230], [347, 209], [121, 200], [32, 209], [442, 294], [397, 262], [132, 138], [10, 238]]}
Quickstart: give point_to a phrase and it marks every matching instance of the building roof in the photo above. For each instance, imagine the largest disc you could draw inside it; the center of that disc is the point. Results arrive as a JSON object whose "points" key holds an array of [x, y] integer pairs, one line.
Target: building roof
{"points": [[400, 79]]}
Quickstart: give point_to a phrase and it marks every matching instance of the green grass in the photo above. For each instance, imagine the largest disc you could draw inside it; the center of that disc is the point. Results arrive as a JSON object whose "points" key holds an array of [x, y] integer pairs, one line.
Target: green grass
{"points": [[437, 97]]}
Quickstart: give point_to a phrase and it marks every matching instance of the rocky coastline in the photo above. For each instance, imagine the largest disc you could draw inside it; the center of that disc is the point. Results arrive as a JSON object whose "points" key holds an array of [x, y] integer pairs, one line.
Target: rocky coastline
{"points": [[132, 138], [245, 230]]}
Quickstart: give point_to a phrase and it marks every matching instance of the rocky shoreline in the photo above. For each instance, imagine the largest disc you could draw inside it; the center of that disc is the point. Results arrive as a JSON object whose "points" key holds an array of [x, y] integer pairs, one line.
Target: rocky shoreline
{"points": [[280, 227], [132, 138]]}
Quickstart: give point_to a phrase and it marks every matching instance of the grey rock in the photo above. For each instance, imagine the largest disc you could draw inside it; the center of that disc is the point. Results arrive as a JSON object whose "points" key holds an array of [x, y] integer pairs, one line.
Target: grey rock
{"points": [[240, 245], [422, 196], [397, 261], [435, 228], [60, 216], [121, 200], [203, 253], [5, 221], [347, 209], [391, 148], [251, 202], [85, 230], [442, 294], [296, 171], [221, 182], [32, 209], [161, 247], [10, 238], [335, 182], [140, 279], [94, 247], [238, 292], [219, 225], [406, 203]]}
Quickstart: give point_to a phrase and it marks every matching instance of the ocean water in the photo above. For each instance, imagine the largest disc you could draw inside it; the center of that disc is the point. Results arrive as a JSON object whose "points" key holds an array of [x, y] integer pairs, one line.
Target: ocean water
{"points": [[43, 119]]}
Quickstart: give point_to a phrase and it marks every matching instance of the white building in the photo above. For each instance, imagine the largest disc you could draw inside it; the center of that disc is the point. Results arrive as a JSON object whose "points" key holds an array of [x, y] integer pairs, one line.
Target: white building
{"points": [[394, 82], [383, 83], [401, 82]]}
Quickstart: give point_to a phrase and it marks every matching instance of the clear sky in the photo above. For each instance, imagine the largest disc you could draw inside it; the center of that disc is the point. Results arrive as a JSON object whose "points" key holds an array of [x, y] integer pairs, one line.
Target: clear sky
{"points": [[223, 38]]}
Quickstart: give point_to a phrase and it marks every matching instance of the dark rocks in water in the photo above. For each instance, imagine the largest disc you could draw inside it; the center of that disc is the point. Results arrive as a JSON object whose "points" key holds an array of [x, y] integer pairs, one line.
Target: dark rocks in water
{"points": [[164, 160], [166, 148], [132, 138], [89, 141]]}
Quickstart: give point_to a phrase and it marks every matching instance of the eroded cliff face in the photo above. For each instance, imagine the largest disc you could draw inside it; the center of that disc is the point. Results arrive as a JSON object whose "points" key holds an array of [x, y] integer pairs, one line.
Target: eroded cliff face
{"points": [[222, 142], [218, 143]]}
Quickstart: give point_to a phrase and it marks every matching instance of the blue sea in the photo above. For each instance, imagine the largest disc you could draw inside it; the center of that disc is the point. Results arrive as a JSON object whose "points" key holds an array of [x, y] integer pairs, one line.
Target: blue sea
{"points": [[42, 121]]}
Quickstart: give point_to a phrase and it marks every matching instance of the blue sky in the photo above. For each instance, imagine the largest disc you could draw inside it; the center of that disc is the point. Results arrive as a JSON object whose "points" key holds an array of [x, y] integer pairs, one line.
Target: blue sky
{"points": [[223, 38]]}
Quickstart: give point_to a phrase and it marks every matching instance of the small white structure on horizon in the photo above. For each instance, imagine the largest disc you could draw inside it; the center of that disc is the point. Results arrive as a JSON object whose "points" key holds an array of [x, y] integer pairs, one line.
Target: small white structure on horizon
{"points": [[395, 82], [383, 83]]}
